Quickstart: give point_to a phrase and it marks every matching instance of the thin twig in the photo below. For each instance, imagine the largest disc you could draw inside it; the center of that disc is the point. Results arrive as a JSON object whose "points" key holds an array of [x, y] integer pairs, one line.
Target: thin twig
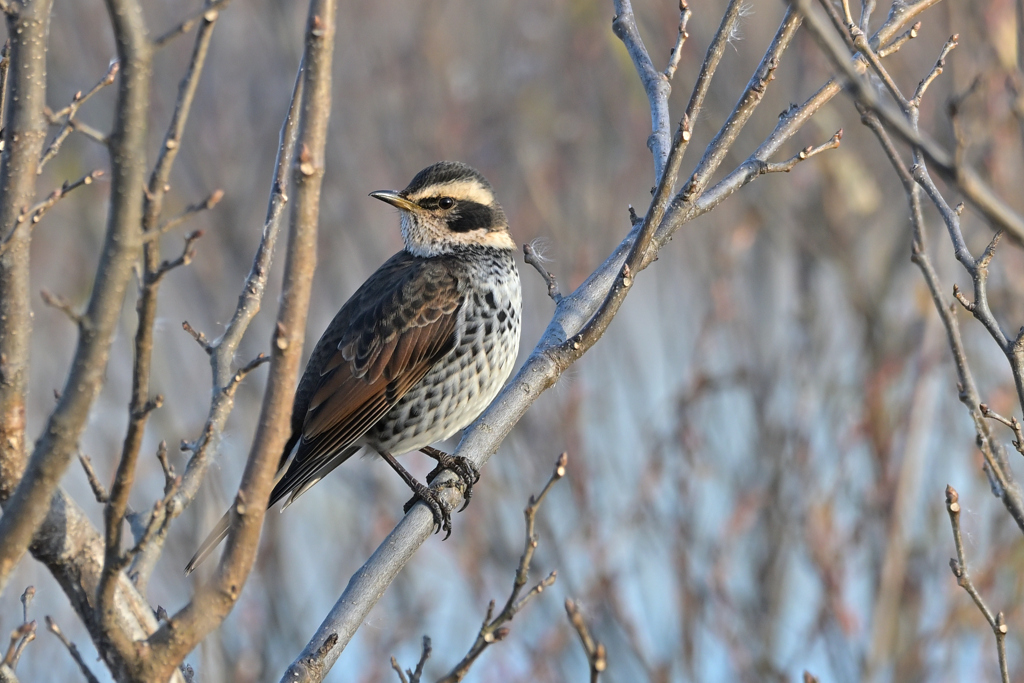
{"points": [[188, 252], [73, 649], [594, 649], [940, 63], [804, 154], [532, 258], [979, 193], [68, 114], [35, 213], [198, 336], [32, 215], [188, 214], [677, 49], [413, 675], [189, 23], [1012, 422], [5, 65], [494, 629], [901, 40], [963, 579], [744, 109], [61, 304], [98, 489]]}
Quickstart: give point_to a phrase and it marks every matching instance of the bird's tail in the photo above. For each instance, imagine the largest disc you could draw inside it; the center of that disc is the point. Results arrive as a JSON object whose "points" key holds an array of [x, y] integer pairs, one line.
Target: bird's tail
{"points": [[219, 533]]}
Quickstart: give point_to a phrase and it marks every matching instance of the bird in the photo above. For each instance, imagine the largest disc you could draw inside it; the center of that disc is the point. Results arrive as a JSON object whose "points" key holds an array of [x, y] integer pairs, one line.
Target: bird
{"points": [[417, 352]]}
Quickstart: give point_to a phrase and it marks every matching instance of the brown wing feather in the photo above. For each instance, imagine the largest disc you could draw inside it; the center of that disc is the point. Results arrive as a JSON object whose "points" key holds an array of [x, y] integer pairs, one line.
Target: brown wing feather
{"points": [[382, 342]]}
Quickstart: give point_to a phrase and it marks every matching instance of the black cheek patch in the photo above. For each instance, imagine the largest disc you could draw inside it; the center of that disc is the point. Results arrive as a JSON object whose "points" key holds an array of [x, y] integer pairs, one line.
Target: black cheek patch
{"points": [[471, 216]]}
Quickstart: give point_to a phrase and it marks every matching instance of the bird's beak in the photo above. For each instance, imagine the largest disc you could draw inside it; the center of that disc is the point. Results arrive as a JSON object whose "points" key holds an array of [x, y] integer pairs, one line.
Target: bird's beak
{"points": [[395, 199]]}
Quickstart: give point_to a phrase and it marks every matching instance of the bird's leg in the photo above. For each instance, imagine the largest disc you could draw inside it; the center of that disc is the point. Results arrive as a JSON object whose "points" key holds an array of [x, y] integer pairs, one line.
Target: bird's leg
{"points": [[460, 465], [442, 517]]}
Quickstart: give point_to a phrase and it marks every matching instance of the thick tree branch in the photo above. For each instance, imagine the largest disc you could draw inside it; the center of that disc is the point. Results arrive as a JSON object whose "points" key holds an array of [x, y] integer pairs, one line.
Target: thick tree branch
{"points": [[24, 132], [53, 452]]}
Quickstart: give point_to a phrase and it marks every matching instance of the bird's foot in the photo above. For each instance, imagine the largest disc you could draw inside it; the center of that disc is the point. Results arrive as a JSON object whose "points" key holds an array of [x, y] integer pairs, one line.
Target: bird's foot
{"points": [[442, 515], [460, 465]]}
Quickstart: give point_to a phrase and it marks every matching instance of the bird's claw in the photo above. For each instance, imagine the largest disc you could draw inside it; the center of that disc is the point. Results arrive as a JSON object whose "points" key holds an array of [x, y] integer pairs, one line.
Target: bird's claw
{"points": [[442, 516], [461, 466]]}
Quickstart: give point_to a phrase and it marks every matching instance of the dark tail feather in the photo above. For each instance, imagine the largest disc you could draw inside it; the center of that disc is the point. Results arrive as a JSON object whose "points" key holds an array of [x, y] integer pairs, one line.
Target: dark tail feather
{"points": [[219, 533]]}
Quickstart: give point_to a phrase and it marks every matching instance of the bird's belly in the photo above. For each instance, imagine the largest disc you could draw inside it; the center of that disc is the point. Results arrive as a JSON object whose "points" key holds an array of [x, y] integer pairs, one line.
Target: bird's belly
{"points": [[457, 389]]}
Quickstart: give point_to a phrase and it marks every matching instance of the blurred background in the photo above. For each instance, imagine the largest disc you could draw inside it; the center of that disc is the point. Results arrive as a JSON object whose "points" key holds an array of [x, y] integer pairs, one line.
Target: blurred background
{"points": [[759, 445]]}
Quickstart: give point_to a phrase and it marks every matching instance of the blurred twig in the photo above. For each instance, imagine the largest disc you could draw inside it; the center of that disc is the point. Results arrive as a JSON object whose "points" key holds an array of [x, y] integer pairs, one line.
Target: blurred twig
{"points": [[594, 649], [68, 115], [413, 675], [207, 12], [964, 178], [72, 649], [963, 579], [914, 179]]}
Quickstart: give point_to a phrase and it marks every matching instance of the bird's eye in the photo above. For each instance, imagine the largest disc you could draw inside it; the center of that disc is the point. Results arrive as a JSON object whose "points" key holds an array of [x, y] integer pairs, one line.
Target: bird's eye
{"points": [[446, 202]]}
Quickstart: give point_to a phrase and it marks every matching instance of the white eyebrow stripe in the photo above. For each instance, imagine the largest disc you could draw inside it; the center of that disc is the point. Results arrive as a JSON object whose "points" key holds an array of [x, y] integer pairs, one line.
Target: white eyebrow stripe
{"points": [[469, 190]]}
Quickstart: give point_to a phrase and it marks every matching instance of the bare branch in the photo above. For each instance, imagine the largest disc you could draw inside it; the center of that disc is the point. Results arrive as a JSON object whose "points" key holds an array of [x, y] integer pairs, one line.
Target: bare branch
{"points": [[532, 258], [20, 637], [5, 65], [966, 179], [1012, 422], [494, 629], [198, 336], [207, 12], [414, 676], [656, 84], [31, 502], [187, 214], [804, 154], [73, 649], [222, 350], [997, 466], [959, 566], [68, 114], [188, 252], [545, 364], [159, 178], [24, 132], [61, 304], [33, 215], [677, 49], [595, 651], [98, 489], [901, 40], [936, 70], [744, 109]]}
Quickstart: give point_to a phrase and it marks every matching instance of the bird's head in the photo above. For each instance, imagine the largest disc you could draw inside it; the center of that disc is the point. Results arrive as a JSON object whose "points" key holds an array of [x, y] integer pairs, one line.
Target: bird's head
{"points": [[447, 207]]}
